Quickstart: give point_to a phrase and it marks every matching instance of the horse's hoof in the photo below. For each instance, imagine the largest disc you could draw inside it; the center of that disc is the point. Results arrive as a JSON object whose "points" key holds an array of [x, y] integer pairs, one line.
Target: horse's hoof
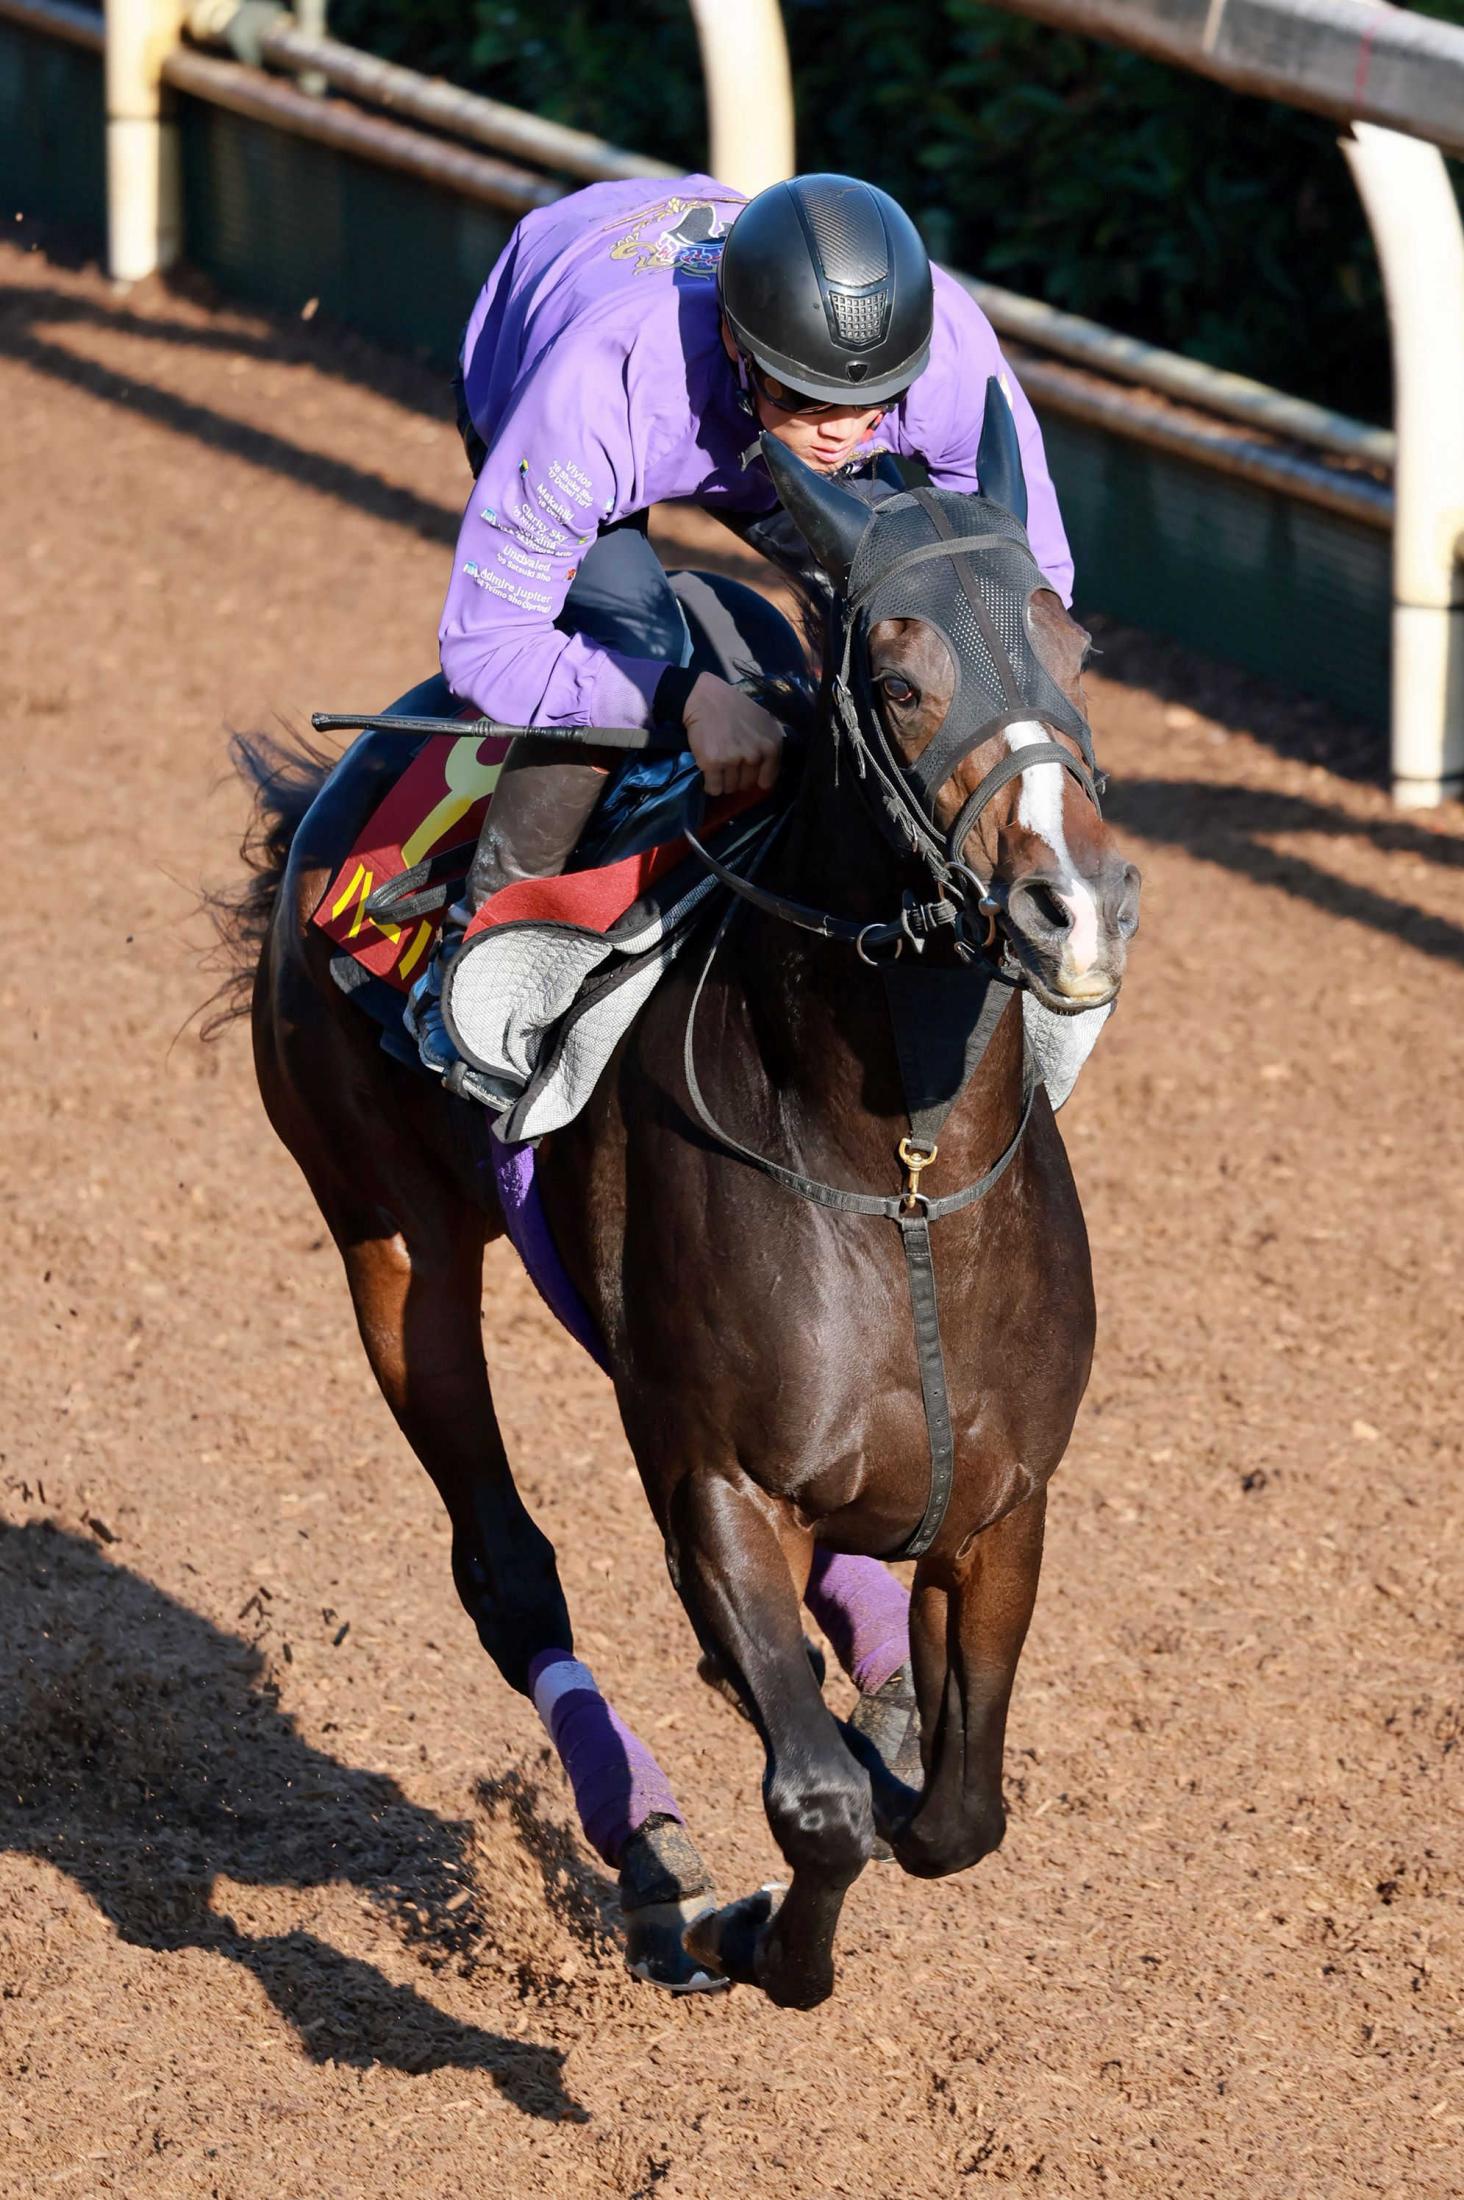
{"points": [[889, 1718], [804, 1989], [727, 1939], [654, 1948], [664, 1885]]}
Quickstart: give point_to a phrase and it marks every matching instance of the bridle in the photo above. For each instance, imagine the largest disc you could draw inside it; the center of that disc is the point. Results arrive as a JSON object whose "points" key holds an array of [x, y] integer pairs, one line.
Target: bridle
{"points": [[962, 910], [901, 796]]}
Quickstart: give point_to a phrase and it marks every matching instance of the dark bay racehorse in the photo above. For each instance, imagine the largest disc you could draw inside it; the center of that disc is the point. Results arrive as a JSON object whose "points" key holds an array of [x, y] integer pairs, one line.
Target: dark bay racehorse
{"points": [[761, 1340]]}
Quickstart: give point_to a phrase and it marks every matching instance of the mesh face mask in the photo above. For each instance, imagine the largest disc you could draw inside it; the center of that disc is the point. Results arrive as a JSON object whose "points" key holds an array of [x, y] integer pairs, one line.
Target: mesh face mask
{"points": [[962, 564]]}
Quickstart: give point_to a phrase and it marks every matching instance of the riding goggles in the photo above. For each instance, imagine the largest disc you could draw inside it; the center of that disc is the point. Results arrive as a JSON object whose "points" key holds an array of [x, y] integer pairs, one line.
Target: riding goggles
{"points": [[793, 401]]}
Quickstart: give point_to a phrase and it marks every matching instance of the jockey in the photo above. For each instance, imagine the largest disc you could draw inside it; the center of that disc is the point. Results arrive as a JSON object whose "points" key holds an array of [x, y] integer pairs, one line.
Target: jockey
{"points": [[629, 346]]}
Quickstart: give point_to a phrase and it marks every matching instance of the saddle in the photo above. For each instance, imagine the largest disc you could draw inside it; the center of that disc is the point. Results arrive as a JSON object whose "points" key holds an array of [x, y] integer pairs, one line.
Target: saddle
{"points": [[552, 971]]}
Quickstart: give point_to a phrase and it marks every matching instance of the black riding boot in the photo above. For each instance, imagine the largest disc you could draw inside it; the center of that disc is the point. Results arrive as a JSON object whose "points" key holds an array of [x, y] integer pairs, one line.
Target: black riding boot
{"points": [[540, 806]]}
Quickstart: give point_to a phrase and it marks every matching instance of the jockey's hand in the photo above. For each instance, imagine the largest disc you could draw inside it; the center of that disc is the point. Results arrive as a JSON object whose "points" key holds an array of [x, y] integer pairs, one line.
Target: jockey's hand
{"points": [[736, 742]]}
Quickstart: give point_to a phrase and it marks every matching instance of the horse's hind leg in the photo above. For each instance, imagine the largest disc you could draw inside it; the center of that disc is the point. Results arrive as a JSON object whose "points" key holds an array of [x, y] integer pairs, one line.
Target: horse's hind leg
{"points": [[419, 1317], [417, 1306], [734, 1579], [413, 1253]]}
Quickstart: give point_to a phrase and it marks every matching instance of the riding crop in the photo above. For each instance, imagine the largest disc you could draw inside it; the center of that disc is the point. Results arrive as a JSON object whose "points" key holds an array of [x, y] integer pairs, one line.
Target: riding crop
{"points": [[476, 729]]}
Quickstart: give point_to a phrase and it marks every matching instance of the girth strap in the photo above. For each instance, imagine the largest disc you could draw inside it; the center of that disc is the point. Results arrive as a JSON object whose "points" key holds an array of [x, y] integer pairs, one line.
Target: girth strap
{"points": [[920, 1274]]}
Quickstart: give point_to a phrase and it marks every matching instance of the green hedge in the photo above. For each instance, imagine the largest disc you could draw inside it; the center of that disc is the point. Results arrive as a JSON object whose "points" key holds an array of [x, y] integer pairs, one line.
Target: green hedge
{"points": [[1162, 205]]}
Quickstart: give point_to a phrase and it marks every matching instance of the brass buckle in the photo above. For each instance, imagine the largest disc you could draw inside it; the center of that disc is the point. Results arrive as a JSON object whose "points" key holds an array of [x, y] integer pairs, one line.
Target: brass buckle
{"points": [[912, 1160]]}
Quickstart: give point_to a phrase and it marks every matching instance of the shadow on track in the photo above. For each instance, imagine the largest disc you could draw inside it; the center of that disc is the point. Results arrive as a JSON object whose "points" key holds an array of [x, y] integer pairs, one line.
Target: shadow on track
{"points": [[146, 1756], [1230, 826], [21, 309], [1287, 722]]}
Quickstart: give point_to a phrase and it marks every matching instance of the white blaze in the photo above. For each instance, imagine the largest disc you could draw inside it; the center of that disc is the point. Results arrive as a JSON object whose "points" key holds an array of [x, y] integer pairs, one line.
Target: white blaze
{"points": [[1040, 808]]}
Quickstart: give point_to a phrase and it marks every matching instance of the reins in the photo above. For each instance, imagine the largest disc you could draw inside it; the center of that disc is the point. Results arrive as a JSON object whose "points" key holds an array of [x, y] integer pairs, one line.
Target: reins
{"points": [[916, 923]]}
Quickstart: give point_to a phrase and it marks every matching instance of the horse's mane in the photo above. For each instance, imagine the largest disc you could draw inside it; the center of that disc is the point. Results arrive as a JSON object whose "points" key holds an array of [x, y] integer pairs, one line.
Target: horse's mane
{"points": [[796, 700]]}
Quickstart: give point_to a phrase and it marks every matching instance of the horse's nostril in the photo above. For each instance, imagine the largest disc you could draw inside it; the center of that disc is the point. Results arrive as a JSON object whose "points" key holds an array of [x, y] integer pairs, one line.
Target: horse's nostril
{"points": [[1051, 912]]}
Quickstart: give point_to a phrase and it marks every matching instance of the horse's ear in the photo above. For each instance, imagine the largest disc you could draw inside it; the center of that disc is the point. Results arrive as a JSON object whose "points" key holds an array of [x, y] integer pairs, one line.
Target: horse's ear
{"points": [[999, 454], [830, 520]]}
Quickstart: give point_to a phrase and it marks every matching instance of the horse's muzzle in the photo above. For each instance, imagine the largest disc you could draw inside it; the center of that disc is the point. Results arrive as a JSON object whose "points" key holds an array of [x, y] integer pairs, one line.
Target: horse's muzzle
{"points": [[1072, 933]]}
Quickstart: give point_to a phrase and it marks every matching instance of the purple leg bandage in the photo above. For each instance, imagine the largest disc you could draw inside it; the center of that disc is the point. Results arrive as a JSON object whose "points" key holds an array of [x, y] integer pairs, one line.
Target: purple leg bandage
{"points": [[617, 1783], [864, 1612]]}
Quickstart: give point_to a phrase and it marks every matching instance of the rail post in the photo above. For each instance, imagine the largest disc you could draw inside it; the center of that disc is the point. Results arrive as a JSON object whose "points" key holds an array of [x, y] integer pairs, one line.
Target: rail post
{"points": [[144, 213], [1405, 190], [749, 91], [310, 17]]}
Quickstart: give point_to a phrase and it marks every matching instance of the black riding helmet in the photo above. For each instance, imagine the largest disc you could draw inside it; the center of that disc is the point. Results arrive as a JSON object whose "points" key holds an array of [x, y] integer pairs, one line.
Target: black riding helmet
{"points": [[826, 286]]}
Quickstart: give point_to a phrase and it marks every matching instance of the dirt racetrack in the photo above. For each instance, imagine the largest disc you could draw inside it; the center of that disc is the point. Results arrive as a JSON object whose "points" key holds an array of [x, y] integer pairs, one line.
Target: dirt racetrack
{"points": [[290, 1901]]}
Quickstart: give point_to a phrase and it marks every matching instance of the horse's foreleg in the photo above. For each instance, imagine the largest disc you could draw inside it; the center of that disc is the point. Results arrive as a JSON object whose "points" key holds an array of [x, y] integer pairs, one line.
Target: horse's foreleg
{"points": [[730, 1568], [968, 1621]]}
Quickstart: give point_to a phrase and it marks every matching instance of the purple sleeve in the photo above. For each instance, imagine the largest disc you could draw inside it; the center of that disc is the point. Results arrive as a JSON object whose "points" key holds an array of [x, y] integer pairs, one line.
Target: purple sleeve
{"points": [[560, 466], [943, 416]]}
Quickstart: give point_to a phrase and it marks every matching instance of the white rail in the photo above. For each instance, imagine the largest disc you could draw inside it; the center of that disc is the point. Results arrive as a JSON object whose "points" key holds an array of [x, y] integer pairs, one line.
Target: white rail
{"points": [[281, 43], [349, 129], [1129, 359], [1356, 60], [1070, 365], [1398, 80], [1415, 223], [144, 210], [58, 19], [749, 91]]}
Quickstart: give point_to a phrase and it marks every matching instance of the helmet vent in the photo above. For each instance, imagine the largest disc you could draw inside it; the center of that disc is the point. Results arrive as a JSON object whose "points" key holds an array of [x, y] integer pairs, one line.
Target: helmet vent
{"points": [[859, 321], [848, 232]]}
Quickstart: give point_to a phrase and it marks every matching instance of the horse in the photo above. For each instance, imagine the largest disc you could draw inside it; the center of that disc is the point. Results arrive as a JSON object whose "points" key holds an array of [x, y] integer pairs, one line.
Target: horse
{"points": [[813, 1350]]}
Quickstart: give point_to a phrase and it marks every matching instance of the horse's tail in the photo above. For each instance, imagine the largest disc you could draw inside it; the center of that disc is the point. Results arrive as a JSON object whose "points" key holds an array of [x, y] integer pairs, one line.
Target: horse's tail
{"points": [[284, 778]]}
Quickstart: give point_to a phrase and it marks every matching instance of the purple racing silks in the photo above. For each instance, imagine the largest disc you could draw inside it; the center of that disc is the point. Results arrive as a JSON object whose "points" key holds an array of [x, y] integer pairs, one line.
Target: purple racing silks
{"points": [[596, 376]]}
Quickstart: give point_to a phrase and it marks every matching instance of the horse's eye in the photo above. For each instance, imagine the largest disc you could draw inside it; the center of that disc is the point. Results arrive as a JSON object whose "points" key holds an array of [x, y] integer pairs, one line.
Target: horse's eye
{"points": [[898, 690]]}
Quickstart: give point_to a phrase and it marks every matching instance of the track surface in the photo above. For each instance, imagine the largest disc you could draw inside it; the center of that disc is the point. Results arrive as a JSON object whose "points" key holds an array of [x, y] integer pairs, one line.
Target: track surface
{"points": [[290, 1901]]}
